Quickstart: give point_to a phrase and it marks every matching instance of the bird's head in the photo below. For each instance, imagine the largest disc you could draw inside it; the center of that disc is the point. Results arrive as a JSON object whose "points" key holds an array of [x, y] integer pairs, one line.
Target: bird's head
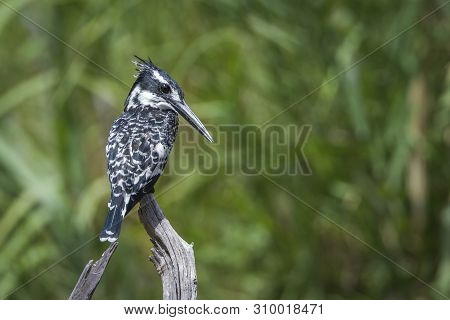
{"points": [[154, 88]]}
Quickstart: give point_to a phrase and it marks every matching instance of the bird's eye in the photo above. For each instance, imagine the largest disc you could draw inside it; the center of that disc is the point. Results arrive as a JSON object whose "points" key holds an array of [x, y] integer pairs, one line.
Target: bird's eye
{"points": [[164, 88]]}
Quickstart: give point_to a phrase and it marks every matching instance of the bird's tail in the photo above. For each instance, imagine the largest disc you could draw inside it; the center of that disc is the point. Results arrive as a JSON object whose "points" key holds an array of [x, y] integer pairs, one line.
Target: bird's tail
{"points": [[113, 222]]}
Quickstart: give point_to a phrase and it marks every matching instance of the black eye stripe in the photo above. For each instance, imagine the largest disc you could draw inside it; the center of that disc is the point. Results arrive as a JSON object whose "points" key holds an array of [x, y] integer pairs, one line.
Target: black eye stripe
{"points": [[164, 88]]}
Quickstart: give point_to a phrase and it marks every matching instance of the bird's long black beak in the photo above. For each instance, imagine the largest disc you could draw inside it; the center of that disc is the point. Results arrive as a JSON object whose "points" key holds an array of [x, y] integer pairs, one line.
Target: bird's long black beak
{"points": [[183, 109]]}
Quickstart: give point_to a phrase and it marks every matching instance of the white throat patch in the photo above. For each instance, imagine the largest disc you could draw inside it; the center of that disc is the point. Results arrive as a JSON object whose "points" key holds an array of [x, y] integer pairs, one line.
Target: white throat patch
{"points": [[146, 98]]}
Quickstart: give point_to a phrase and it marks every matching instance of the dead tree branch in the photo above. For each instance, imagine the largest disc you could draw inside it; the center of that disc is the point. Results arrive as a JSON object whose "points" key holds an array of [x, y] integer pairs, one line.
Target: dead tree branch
{"points": [[172, 256], [91, 275]]}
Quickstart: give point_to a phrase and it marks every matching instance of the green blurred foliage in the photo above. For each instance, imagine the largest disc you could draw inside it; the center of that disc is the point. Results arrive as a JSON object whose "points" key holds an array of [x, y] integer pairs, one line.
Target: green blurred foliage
{"points": [[379, 147]]}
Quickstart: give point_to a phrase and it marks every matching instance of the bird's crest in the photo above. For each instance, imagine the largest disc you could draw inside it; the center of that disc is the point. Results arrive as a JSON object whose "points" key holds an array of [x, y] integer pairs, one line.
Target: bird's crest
{"points": [[143, 65]]}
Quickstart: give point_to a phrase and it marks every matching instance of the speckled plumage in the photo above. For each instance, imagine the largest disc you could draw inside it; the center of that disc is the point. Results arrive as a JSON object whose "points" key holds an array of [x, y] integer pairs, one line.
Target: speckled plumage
{"points": [[137, 151], [141, 139]]}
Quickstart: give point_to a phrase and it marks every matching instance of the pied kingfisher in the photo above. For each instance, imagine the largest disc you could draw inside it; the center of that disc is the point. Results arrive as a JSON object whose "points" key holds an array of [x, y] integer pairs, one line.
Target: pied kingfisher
{"points": [[140, 141]]}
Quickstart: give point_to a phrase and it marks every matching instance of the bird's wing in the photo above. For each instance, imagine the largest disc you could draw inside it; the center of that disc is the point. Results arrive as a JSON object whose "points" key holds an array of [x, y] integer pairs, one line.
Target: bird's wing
{"points": [[133, 158]]}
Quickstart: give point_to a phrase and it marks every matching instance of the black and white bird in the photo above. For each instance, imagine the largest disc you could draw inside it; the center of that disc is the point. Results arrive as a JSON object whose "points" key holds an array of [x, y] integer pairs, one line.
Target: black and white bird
{"points": [[140, 141]]}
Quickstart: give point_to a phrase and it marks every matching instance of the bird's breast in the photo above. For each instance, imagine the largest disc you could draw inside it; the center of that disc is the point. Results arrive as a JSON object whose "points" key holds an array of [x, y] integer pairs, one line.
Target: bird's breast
{"points": [[160, 128]]}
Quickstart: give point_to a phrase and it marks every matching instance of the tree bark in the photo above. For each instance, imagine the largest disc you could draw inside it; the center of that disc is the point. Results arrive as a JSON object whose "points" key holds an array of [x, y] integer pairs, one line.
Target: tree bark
{"points": [[172, 256], [91, 275]]}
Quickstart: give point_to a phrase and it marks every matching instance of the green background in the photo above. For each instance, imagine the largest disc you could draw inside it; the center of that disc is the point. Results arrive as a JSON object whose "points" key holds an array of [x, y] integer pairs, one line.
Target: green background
{"points": [[378, 149]]}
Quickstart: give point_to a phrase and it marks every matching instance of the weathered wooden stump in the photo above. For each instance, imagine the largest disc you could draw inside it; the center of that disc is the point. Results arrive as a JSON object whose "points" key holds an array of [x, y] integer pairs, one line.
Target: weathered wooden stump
{"points": [[172, 256]]}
